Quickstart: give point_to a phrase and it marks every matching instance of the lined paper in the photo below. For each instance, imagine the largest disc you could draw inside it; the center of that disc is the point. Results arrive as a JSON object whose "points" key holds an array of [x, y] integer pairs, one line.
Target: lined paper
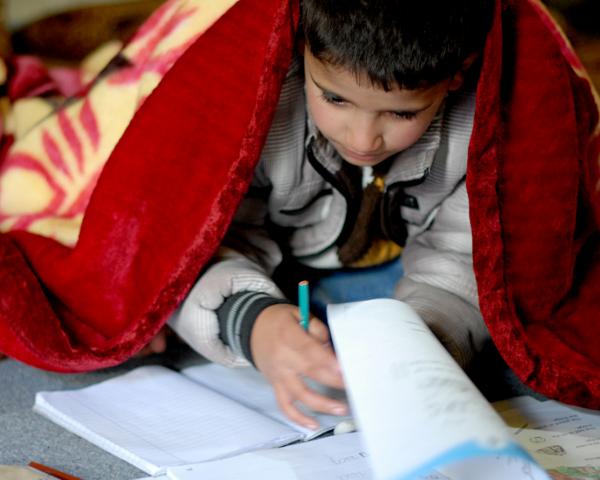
{"points": [[154, 417]]}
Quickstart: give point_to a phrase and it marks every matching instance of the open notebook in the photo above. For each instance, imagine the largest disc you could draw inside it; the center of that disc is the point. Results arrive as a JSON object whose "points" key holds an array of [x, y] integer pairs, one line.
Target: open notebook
{"points": [[154, 417], [564, 440]]}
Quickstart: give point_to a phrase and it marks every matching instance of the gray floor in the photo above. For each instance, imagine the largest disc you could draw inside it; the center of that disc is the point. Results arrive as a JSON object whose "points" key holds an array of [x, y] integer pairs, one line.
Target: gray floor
{"points": [[26, 436]]}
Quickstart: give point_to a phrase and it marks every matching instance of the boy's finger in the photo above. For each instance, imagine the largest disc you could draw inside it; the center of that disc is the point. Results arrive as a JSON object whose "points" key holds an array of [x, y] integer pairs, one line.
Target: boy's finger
{"points": [[318, 330], [287, 406], [326, 375], [313, 400], [317, 362], [159, 343]]}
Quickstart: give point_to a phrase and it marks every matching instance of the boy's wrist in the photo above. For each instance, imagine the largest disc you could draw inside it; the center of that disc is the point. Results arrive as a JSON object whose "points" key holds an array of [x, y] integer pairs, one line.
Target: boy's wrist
{"points": [[237, 316]]}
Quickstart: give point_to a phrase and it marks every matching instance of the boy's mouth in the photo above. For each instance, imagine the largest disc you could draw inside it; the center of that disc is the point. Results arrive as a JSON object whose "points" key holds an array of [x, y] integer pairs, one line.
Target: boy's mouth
{"points": [[361, 157]]}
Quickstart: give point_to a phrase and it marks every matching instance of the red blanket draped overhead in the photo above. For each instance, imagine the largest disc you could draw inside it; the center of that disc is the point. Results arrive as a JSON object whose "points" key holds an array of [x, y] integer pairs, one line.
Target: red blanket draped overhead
{"points": [[169, 188]]}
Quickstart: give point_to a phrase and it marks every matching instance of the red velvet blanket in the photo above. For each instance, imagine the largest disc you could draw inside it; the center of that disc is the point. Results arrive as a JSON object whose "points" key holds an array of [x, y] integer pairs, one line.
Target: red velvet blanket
{"points": [[163, 197]]}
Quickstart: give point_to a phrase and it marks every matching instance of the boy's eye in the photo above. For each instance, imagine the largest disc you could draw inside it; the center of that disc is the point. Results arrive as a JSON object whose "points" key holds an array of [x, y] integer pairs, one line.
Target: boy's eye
{"points": [[330, 98], [404, 115]]}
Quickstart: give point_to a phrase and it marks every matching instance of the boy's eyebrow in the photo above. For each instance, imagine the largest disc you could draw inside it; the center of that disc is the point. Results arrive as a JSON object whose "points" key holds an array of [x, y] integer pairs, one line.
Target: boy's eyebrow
{"points": [[404, 111], [325, 90]]}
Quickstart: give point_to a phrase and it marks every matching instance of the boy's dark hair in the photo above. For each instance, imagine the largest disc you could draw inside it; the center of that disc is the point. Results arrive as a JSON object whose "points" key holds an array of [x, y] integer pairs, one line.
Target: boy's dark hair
{"points": [[409, 43]]}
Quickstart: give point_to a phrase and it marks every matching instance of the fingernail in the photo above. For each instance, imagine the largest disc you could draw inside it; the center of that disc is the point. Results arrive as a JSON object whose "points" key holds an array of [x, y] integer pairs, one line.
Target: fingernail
{"points": [[337, 410], [345, 426], [312, 426]]}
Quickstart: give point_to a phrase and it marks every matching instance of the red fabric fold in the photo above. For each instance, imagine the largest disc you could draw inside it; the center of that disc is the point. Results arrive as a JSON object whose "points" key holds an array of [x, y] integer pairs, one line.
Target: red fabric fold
{"points": [[160, 207], [534, 208]]}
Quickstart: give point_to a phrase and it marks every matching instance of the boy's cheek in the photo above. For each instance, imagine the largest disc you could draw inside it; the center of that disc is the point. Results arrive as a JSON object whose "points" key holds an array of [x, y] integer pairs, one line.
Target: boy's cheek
{"points": [[325, 117]]}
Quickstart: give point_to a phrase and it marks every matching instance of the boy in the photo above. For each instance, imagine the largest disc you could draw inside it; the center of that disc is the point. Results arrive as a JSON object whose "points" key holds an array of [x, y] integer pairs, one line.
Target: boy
{"points": [[367, 154]]}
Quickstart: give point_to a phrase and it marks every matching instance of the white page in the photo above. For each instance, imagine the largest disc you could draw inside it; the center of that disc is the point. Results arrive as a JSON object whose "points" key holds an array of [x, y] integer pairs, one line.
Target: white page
{"points": [[330, 458], [416, 408], [505, 467], [339, 457], [558, 436], [154, 417], [249, 387], [523, 401]]}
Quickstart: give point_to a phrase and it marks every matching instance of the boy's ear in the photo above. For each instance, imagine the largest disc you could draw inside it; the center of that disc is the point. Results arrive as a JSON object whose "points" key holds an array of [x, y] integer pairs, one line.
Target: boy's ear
{"points": [[459, 78]]}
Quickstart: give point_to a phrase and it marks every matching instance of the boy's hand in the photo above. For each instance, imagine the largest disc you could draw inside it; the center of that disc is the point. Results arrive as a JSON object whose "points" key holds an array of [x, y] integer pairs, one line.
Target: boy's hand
{"points": [[158, 344], [284, 353]]}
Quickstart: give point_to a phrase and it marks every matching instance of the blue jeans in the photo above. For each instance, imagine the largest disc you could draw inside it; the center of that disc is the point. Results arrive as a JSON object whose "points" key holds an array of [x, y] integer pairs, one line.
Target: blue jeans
{"points": [[353, 285]]}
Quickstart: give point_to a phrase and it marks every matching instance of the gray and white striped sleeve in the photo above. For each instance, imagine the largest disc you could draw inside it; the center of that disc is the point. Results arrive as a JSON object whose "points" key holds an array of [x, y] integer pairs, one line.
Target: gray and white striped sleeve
{"points": [[236, 317]]}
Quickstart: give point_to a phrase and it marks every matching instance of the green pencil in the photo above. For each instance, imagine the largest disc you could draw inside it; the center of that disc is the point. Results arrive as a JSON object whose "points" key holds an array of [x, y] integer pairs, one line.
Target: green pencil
{"points": [[303, 304]]}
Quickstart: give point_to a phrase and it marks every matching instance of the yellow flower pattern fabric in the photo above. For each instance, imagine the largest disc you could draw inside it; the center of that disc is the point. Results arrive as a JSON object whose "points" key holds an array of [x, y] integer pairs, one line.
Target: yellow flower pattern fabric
{"points": [[51, 169]]}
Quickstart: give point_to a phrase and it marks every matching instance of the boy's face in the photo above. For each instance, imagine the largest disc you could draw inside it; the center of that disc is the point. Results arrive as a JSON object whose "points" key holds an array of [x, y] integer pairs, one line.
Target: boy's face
{"points": [[365, 123]]}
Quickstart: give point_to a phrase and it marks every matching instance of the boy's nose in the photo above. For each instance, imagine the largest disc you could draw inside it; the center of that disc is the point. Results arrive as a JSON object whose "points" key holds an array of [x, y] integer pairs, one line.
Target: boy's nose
{"points": [[364, 138]]}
